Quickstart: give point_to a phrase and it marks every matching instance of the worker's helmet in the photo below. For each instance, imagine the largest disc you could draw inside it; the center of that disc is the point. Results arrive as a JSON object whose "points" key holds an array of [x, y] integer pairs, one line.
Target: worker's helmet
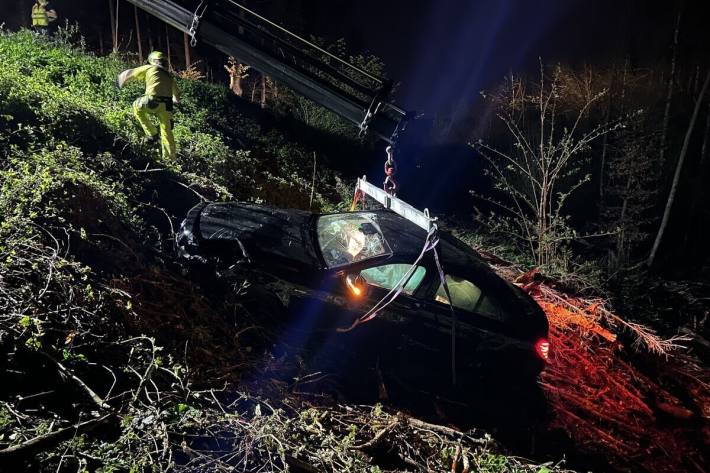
{"points": [[44, 3], [156, 58]]}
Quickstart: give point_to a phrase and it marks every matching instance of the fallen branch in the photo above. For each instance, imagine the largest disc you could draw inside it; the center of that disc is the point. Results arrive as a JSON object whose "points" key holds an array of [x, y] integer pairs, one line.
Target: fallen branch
{"points": [[40, 442], [375, 440], [68, 373], [301, 465], [420, 424], [455, 460]]}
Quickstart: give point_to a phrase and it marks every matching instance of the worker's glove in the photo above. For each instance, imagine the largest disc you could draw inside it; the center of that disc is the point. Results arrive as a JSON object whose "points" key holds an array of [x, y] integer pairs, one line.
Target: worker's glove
{"points": [[123, 77]]}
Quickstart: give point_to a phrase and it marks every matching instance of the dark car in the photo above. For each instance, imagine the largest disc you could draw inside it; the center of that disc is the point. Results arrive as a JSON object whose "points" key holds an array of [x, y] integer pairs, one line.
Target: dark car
{"points": [[317, 265]]}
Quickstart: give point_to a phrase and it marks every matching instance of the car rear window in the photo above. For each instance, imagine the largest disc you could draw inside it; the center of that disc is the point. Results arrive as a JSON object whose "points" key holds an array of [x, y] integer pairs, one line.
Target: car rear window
{"points": [[387, 276], [350, 238], [465, 295]]}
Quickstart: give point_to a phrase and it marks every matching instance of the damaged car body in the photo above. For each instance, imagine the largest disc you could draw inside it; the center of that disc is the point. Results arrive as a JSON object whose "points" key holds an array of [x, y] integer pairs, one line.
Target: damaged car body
{"points": [[329, 269]]}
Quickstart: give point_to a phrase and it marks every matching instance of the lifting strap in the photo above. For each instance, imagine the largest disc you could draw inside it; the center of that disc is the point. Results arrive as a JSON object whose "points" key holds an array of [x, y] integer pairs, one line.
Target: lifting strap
{"points": [[430, 242], [442, 277], [423, 220]]}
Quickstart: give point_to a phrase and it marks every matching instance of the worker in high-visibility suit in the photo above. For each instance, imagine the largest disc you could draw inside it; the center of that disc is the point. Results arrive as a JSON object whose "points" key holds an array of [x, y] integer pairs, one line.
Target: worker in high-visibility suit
{"points": [[43, 15], [161, 93]]}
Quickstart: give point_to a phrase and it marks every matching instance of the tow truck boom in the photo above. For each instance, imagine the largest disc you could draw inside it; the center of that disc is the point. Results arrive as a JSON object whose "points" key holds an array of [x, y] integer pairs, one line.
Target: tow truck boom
{"points": [[354, 94]]}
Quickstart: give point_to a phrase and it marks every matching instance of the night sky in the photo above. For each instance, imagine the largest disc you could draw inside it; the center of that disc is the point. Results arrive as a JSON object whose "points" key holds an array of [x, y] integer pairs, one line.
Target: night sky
{"points": [[444, 52]]}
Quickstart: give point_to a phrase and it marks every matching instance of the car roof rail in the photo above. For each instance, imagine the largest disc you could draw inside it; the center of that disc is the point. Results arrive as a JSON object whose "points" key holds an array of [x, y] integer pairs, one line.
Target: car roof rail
{"points": [[422, 219]]}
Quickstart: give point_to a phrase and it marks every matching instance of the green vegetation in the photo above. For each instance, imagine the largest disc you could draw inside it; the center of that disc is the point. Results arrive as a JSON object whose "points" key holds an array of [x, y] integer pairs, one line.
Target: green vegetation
{"points": [[113, 360], [63, 95]]}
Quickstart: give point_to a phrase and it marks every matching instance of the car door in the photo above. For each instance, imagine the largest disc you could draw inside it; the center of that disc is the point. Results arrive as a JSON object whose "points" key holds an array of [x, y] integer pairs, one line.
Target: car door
{"points": [[380, 338], [325, 317], [479, 323], [405, 338]]}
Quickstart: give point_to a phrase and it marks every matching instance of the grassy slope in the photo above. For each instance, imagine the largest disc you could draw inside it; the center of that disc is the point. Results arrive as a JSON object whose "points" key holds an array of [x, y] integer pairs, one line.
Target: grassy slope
{"points": [[98, 326]]}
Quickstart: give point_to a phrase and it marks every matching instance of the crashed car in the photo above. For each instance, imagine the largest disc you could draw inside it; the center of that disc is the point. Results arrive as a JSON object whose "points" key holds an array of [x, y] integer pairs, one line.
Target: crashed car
{"points": [[329, 269]]}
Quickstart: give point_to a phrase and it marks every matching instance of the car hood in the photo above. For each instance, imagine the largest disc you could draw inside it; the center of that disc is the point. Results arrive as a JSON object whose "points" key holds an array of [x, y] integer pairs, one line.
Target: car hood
{"points": [[267, 235]]}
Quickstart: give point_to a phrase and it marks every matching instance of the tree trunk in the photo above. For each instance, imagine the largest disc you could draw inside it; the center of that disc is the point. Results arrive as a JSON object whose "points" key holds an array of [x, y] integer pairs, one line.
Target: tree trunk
{"points": [[149, 33], [704, 148], [669, 96], [622, 255], [118, 5], [235, 84], [262, 102], [167, 40], [700, 184], [605, 140], [678, 169], [139, 38], [186, 44], [101, 41], [114, 27]]}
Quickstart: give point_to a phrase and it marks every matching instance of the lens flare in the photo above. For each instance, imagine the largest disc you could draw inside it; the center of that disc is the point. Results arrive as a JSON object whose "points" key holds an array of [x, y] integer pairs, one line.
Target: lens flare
{"points": [[353, 286]]}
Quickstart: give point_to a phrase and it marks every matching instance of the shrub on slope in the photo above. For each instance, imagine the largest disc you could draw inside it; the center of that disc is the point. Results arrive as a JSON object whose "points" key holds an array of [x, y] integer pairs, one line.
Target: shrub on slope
{"points": [[111, 359]]}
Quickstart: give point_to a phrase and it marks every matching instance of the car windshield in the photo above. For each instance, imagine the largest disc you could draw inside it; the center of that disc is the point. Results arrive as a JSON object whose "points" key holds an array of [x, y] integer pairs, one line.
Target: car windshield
{"points": [[350, 238]]}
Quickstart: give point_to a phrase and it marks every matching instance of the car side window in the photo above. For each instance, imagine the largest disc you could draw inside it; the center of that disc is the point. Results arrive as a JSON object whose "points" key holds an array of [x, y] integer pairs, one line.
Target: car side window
{"points": [[387, 276], [466, 296]]}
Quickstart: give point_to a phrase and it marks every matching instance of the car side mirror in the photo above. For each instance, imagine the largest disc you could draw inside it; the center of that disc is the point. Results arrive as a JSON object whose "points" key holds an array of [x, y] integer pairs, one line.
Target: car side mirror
{"points": [[355, 287]]}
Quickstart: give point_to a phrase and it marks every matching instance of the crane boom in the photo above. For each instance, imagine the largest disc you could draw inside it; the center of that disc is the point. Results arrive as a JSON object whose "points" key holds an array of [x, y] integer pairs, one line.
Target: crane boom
{"points": [[352, 93]]}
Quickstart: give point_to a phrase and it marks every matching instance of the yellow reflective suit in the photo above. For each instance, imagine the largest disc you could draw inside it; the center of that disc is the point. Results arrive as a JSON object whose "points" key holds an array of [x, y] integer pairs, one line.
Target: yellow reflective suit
{"points": [[160, 93], [42, 14]]}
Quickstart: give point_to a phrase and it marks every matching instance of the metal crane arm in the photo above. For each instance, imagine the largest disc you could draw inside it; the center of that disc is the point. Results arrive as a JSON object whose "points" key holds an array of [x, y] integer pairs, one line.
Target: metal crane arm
{"points": [[352, 93]]}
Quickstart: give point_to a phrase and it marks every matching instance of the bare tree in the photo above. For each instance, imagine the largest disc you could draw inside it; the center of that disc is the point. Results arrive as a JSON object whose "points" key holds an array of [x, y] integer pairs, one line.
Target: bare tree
{"points": [[100, 33], [186, 45], [632, 186], [676, 176], [262, 85], [237, 72], [273, 87], [545, 164], [139, 39], [669, 95], [700, 182], [114, 25], [167, 42], [149, 32], [605, 140]]}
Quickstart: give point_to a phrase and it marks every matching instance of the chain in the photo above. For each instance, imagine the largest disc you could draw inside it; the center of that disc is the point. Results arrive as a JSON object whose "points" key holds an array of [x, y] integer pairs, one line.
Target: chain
{"points": [[196, 22], [390, 185]]}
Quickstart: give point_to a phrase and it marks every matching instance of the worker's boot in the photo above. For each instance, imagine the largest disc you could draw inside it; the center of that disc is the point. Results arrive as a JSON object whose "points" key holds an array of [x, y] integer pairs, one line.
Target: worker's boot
{"points": [[151, 142]]}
